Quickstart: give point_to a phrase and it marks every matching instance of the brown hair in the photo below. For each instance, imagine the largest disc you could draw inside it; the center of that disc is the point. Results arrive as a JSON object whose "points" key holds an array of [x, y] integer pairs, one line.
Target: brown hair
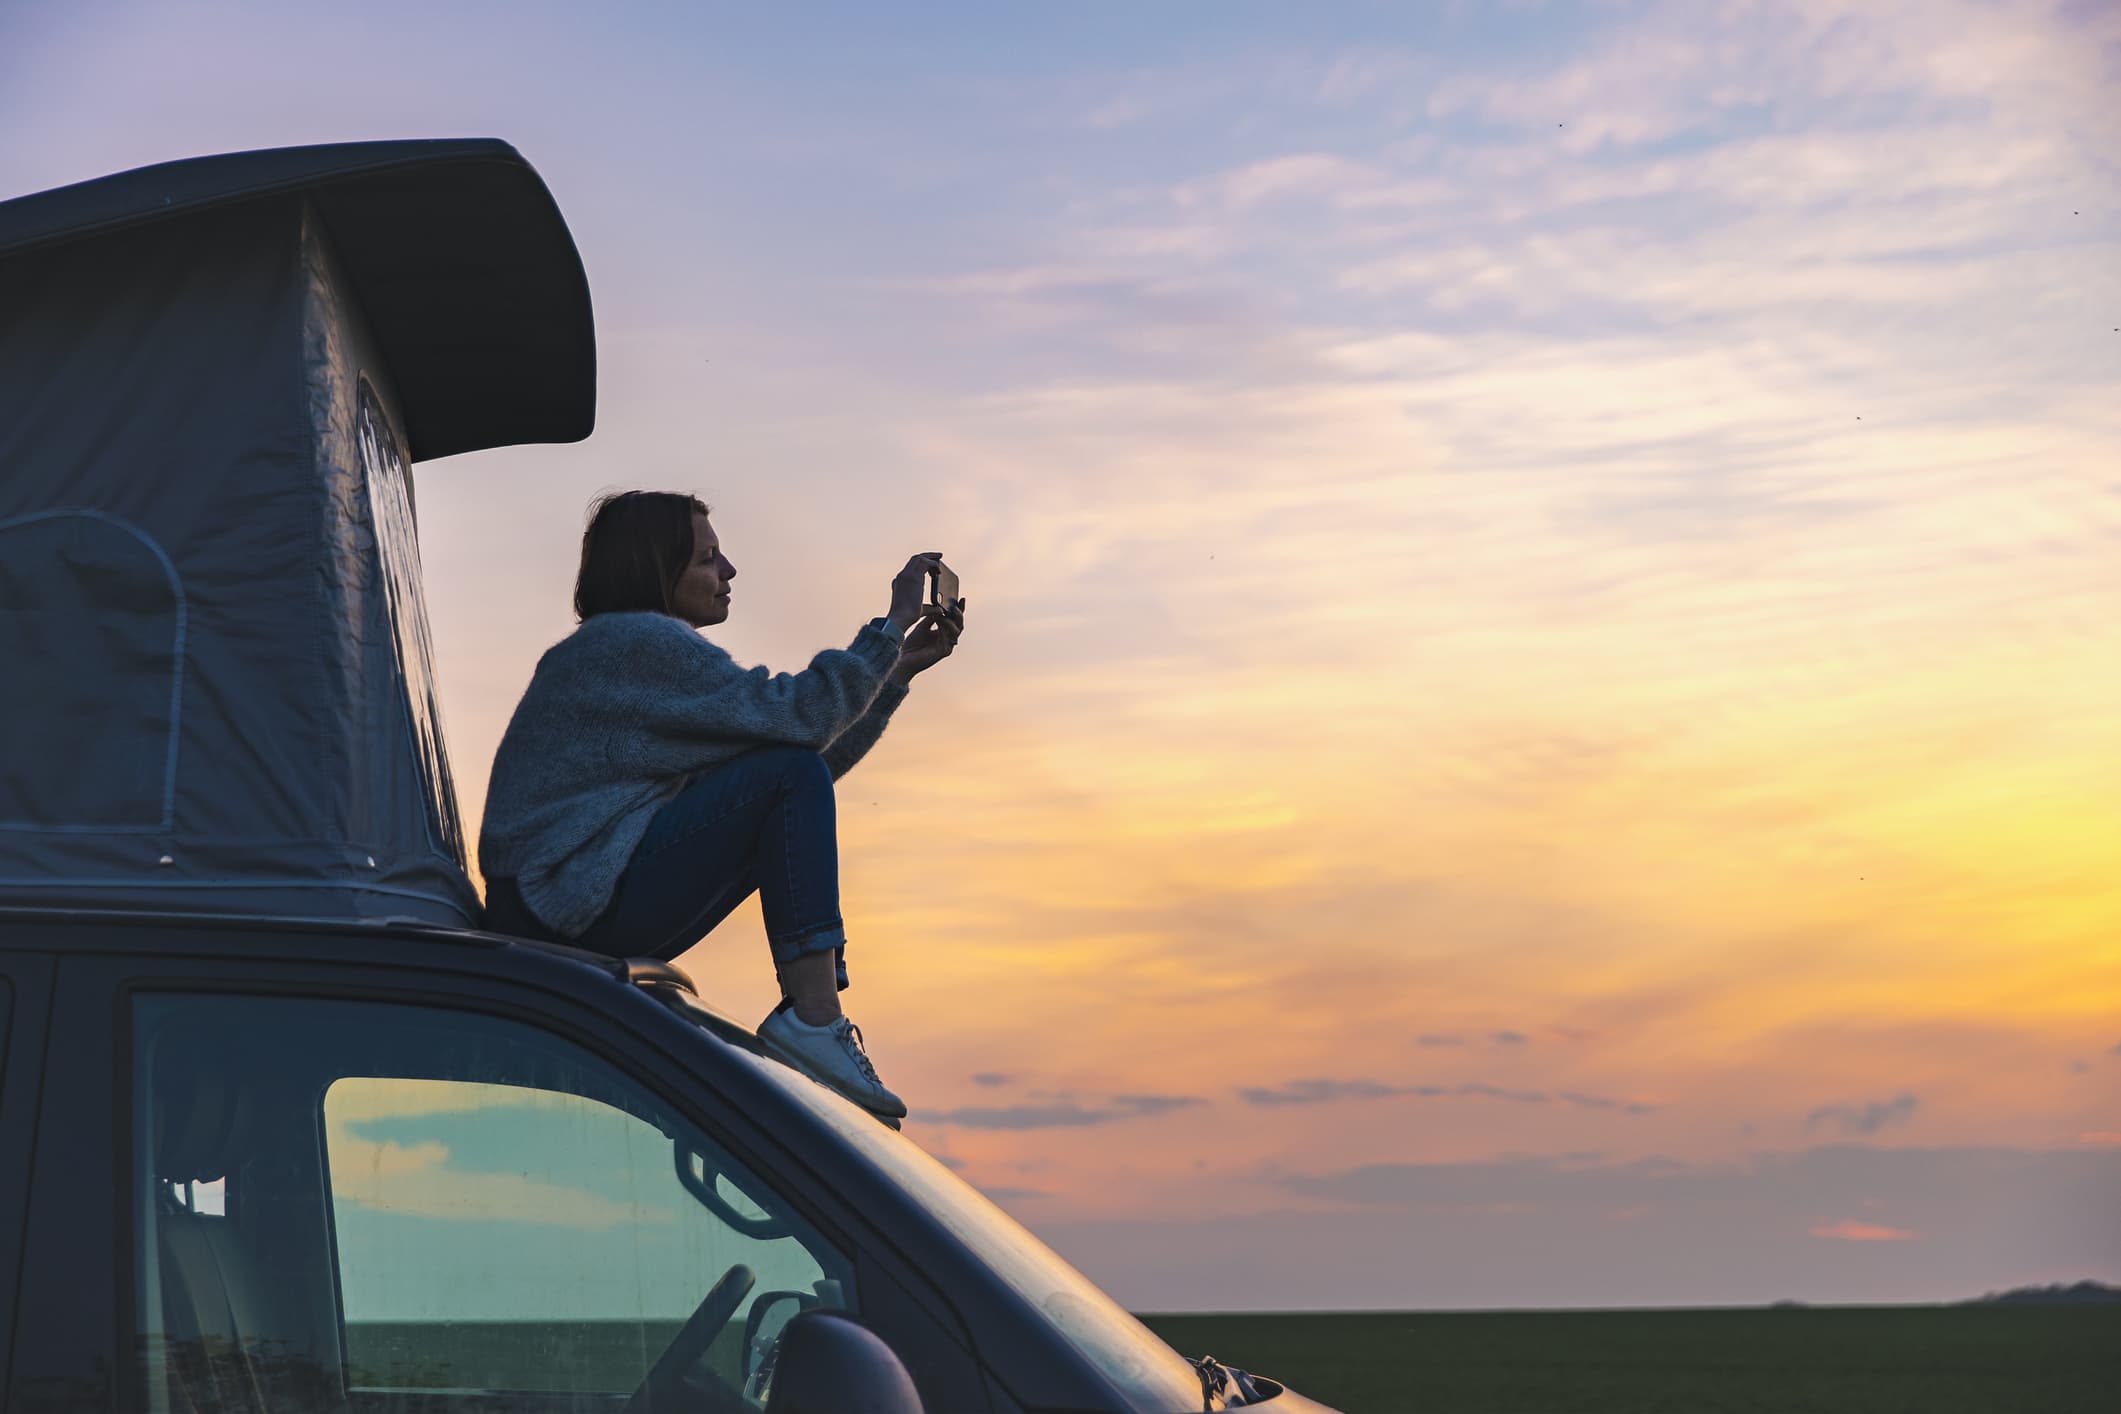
{"points": [[634, 548]]}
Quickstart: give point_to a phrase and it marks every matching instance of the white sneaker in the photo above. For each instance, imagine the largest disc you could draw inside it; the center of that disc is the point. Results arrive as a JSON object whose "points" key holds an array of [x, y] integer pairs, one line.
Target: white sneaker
{"points": [[832, 1055]]}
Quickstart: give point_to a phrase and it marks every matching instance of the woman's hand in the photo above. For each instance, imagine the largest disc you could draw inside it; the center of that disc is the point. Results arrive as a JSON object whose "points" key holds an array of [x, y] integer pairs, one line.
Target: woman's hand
{"points": [[931, 642], [906, 590]]}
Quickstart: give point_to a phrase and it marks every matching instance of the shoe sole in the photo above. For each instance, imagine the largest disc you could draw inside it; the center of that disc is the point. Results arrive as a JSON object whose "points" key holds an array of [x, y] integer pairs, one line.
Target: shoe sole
{"points": [[796, 1063]]}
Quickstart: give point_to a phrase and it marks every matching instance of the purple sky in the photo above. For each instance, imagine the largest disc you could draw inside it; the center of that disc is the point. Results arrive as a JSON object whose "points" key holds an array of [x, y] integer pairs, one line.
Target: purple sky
{"points": [[1538, 726]]}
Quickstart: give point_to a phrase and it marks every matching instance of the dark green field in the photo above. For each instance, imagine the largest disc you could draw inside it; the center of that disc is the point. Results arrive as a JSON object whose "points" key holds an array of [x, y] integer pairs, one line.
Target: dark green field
{"points": [[1812, 1360]]}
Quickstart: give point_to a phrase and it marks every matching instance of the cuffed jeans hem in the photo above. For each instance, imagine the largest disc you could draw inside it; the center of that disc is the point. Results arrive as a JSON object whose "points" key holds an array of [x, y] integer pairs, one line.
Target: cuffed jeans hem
{"points": [[830, 938]]}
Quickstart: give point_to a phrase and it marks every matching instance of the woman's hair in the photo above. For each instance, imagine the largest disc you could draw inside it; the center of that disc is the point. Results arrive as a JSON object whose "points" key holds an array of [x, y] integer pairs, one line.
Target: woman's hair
{"points": [[636, 545]]}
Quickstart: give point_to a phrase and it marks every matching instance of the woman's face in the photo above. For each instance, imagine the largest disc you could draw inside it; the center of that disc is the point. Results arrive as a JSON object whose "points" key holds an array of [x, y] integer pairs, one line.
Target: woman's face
{"points": [[702, 594]]}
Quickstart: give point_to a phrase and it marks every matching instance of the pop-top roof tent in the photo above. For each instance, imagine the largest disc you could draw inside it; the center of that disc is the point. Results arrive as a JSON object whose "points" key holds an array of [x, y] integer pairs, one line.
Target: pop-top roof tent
{"points": [[216, 685]]}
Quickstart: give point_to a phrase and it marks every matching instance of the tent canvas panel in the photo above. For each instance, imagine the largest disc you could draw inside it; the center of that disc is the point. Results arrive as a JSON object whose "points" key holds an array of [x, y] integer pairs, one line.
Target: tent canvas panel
{"points": [[215, 684]]}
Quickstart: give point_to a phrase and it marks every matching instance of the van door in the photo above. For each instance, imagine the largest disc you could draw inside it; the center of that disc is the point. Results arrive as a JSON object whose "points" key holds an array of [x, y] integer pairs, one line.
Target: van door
{"points": [[237, 1127], [413, 1207], [390, 1205], [62, 1358], [24, 977]]}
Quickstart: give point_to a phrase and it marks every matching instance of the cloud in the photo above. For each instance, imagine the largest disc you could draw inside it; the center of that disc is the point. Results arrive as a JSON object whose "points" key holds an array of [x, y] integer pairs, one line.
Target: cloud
{"points": [[1051, 1116], [1865, 1118], [1603, 1102], [1116, 113], [1849, 1230], [2115, 1049], [1323, 1091], [1156, 1104], [1439, 1040], [1062, 1114], [1508, 1038], [1482, 1090], [1296, 174], [1313, 1092], [992, 1079]]}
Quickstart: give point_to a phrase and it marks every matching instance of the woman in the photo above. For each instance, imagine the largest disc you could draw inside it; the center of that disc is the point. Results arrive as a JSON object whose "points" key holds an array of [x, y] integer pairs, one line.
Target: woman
{"points": [[647, 785]]}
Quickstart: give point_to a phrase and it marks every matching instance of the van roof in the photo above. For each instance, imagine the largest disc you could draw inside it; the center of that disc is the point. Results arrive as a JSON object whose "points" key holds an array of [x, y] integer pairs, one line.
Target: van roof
{"points": [[461, 259]]}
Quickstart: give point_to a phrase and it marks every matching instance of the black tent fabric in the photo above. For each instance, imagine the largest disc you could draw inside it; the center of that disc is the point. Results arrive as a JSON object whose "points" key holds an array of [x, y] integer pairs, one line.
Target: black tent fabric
{"points": [[453, 247], [217, 690]]}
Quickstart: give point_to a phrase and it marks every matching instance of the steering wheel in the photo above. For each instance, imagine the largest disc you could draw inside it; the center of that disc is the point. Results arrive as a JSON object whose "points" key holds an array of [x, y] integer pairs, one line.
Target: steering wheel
{"points": [[667, 1375]]}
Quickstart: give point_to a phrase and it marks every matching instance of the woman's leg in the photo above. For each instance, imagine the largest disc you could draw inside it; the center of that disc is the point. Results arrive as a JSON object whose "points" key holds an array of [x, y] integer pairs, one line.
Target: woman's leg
{"points": [[798, 873], [764, 822]]}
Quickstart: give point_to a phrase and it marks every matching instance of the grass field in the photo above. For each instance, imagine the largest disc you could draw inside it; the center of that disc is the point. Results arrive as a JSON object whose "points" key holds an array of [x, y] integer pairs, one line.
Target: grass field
{"points": [[1810, 1360]]}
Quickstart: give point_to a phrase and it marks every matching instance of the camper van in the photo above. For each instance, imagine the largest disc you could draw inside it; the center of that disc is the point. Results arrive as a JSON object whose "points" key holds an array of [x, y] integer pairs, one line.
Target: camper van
{"points": [[281, 1127]]}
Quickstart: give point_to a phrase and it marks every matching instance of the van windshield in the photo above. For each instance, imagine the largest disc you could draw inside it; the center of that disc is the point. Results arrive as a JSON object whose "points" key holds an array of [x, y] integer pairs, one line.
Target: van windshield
{"points": [[1149, 1372]]}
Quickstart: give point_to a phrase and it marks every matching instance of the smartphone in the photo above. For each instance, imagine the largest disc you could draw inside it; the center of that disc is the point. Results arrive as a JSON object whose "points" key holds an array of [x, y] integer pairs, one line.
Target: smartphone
{"points": [[942, 586]]}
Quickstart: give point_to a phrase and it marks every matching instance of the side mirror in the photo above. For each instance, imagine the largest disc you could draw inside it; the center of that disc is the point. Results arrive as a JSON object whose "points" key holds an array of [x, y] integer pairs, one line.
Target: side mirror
{"points": [[829, 1364]]}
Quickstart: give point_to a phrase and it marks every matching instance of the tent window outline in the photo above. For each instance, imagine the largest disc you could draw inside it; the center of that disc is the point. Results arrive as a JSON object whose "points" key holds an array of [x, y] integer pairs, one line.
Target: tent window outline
{"points": [[179, 612], [386, 477]]}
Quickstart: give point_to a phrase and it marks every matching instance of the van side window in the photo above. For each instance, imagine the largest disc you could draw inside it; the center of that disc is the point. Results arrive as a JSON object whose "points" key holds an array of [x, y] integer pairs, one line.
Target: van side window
{"points": [[367, 1206]]}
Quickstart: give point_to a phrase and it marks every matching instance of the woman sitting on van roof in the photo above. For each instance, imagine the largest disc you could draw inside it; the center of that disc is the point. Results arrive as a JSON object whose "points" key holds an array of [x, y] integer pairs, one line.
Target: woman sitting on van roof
{"points": [[647, 785]]}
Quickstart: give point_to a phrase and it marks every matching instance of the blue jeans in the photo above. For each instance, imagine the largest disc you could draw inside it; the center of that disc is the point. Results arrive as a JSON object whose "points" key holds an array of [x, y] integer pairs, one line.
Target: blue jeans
{"points": [[766, 823]]}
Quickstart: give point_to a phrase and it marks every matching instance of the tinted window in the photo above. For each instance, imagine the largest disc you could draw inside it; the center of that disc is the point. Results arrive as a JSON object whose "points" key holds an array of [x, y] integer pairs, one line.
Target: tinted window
{"points": [[503, 1213]]}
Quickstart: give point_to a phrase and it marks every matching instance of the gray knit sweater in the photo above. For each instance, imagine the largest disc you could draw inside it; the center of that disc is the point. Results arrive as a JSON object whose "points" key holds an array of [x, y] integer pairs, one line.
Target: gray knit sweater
{"points": [[621, 712]]}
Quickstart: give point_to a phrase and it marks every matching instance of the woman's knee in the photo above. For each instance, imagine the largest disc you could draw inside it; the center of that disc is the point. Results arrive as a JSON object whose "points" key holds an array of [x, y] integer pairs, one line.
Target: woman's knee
{"points": [[801, 767]]}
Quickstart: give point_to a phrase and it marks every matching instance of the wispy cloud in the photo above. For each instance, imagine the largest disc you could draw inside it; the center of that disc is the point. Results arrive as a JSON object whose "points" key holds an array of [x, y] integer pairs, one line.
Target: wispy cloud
{"points": [[1605, 1102], [1060, 1114], [1321, 1091], [1316, 1092], [1866, 1118]]}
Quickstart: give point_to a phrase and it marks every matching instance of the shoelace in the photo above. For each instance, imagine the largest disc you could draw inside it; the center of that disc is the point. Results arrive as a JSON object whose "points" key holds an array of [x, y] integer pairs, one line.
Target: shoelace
{"points": [[851, 1038]]}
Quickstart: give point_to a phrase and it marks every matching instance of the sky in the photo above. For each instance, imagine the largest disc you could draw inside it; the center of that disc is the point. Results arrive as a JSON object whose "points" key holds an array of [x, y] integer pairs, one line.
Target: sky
{"points": [[1536, 724]]}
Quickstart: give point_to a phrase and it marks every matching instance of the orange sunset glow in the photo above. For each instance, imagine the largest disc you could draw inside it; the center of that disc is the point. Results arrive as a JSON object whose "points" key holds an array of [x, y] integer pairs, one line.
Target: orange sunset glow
{"points": [[1538, 719]]}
